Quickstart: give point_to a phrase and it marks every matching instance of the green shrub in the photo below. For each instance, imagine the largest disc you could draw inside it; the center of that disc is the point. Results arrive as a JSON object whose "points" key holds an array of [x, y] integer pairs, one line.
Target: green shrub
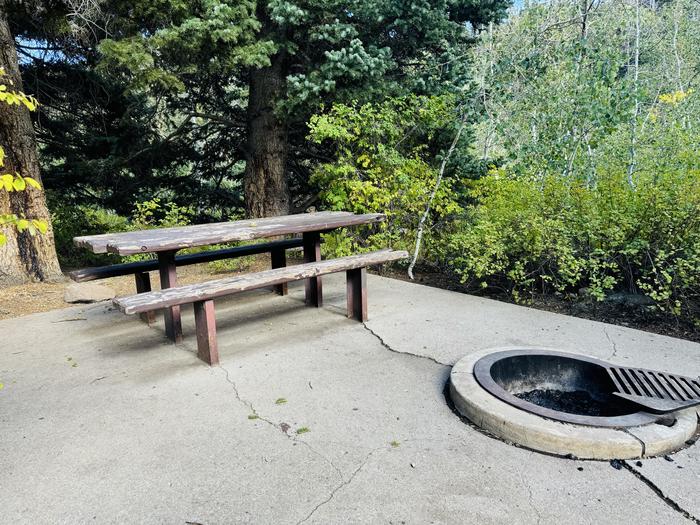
{"points": [[74, 221], [385, 162], [530, 235]]}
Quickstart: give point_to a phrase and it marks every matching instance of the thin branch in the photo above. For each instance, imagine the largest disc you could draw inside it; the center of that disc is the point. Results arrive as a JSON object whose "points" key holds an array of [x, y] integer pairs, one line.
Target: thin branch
{"points": [[441, 173]]}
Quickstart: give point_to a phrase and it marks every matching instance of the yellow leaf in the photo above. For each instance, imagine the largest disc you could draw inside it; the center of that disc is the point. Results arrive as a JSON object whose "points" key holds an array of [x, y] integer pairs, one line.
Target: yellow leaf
{"points": [[3, 238], [22, 224], [33, 183], [42, 226], [19, 184], [7, 181]]}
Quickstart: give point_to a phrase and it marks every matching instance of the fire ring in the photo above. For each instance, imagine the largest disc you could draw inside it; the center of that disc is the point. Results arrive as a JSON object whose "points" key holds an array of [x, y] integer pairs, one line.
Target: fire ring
{"points": [[567, 404]]}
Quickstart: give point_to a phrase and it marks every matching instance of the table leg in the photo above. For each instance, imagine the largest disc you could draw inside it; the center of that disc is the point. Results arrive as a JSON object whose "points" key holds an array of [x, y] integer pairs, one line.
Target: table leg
{"points": [[279, 260], [312, 253], [168, 279], [357, 294], [143, 285], [205, 322]]}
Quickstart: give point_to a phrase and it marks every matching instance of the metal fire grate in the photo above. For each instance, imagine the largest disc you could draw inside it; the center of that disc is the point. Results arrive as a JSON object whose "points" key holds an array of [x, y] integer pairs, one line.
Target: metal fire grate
{"points": [[659, 392]]}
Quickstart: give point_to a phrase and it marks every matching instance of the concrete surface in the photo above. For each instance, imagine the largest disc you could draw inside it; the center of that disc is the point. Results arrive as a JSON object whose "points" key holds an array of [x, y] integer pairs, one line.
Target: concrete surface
{"points": [[103, 421]]}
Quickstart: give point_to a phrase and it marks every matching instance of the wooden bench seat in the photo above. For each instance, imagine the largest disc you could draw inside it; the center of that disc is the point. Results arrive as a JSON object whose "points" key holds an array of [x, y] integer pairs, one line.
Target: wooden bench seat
{"points": [[201, 295]]}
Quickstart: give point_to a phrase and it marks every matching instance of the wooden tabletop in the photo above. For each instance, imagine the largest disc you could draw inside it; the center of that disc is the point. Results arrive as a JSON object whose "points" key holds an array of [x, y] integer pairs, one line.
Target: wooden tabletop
{"points": [[168, 239]]}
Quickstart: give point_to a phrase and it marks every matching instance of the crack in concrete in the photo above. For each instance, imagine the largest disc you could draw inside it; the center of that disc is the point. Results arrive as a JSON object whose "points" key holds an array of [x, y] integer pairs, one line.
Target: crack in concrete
{"points": [[610, 340], [277, 426], [657, 490], [342, 485], [530, 497], [641, 442], [418, 356]]}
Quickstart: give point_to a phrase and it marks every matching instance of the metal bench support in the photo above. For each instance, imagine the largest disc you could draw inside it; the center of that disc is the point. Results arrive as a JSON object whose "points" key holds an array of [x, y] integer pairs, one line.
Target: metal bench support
{"points": [[205, 323], [357, 294]]}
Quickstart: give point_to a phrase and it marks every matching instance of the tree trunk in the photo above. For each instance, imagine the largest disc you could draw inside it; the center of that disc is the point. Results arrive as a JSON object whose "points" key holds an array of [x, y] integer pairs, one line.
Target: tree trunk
{"points": [[24, 257], [265, 181]]}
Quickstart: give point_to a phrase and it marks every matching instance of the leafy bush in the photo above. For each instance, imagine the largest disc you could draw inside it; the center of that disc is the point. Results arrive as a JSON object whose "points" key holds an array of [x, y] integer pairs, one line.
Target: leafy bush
{"points": [[385, 163], [73, 221], [594, 131], [558, 234]]}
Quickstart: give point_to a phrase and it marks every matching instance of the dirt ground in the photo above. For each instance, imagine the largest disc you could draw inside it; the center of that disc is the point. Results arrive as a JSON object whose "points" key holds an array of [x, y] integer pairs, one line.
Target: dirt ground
{"points": [[26, 299]]}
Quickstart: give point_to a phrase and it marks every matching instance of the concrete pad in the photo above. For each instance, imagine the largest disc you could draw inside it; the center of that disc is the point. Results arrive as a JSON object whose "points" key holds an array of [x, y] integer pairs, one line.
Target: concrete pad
{"points": [[447, 325], [104, 421], [678, 478]]}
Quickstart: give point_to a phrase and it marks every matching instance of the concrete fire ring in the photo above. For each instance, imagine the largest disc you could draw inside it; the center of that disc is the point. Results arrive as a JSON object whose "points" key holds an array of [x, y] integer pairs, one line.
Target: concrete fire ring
{"points": [[519, 427]]}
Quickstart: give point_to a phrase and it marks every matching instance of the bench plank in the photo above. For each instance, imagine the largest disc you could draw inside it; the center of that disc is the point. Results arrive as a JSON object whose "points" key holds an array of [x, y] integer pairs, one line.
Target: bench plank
{"points": [[167, 239], [116, 270], [212, 289]]}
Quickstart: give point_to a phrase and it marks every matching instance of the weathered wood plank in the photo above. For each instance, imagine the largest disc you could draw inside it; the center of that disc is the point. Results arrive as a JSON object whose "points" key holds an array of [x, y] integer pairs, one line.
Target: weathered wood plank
{"points": [[313, 290], [168, 279], [357, 294], [167, 239], [115, 270], [205, 325], [209, 290], [278, 259], [143, 285]]}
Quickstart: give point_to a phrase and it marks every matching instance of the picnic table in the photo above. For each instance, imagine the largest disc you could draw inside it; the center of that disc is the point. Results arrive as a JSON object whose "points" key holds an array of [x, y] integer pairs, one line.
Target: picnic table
{"points": [[166, 242]]}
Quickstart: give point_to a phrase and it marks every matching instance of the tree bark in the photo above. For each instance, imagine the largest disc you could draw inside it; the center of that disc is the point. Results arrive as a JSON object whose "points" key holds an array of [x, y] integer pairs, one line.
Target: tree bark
{"points": [[265, 181], [24, 257]]}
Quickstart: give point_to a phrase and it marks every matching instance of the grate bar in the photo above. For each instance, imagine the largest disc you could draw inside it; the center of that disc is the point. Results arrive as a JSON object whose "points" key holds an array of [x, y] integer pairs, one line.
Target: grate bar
{"points": [[644, 389], [694, 386], [658, 392], [634, 389], [649, 381], [612, 372], [665, 393], [686, 391], [672, 386], [627, 388]]}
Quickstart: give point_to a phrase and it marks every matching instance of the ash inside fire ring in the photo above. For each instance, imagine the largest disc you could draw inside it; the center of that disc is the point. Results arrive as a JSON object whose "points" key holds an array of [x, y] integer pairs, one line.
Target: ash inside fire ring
{"points": [[577, 402]]}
